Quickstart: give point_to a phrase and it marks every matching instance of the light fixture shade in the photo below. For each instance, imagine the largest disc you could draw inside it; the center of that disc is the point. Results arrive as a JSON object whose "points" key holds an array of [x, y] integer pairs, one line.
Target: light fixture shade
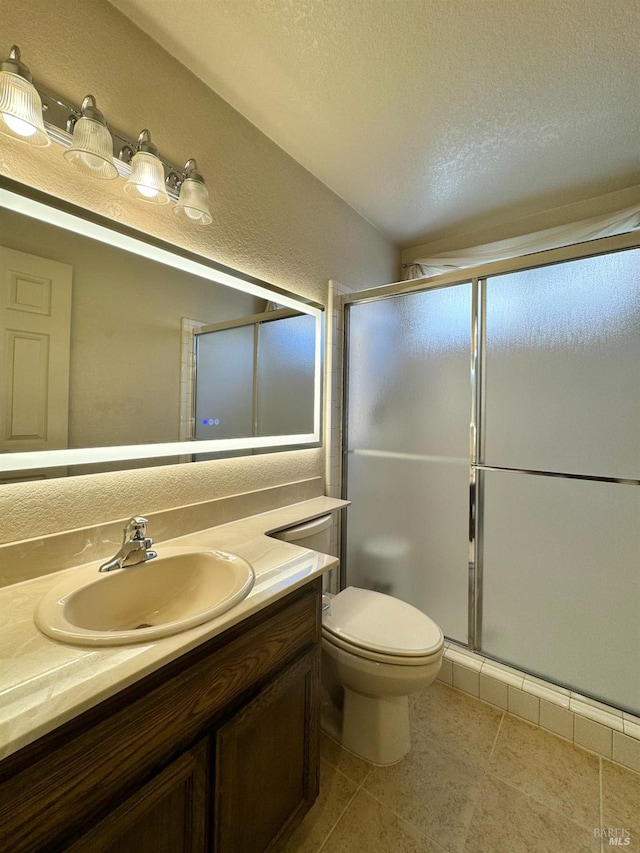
{"points": [[193, 202], [21, 110], [92, 149], [146, 182]]}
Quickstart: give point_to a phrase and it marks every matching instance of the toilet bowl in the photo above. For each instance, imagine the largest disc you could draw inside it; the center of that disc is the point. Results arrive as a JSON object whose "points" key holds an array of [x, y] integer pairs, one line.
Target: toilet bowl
{"points": [[380, 650], [376, 651]]}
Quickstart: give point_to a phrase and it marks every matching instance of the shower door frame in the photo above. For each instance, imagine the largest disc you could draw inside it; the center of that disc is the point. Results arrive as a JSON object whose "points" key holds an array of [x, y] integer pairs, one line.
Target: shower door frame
{"points": [[477, 277]]}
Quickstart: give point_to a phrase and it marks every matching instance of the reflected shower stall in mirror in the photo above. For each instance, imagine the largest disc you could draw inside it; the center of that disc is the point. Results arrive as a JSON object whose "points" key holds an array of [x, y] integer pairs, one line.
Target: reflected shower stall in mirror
{"points": [[123, 351], [254, 375]]}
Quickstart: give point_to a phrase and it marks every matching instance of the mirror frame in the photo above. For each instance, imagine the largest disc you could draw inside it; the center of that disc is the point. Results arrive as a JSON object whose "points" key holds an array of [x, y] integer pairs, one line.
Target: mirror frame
{"points": [[35, 204]]}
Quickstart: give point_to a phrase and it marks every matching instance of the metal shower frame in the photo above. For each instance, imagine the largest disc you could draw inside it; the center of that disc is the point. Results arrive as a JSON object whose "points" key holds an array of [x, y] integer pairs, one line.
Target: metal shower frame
{"points": [[476, 277]]}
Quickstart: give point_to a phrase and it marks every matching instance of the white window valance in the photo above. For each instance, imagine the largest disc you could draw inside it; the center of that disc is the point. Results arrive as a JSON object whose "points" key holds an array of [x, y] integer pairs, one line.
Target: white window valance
{"points": [[619, 222]]}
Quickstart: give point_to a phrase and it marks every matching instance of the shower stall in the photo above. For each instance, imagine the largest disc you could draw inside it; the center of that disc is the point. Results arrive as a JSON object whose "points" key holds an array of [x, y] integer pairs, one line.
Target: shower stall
{"points": [[254, 376], [492, 457]]}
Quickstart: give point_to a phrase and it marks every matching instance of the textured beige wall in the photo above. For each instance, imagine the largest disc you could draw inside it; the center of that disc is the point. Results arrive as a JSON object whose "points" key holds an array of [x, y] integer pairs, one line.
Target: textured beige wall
{"points": [[271, 218]]}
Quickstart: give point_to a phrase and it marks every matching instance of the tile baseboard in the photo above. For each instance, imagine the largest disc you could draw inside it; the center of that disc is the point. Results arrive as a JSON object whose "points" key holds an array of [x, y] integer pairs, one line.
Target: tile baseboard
{"points": [[600, 728]]}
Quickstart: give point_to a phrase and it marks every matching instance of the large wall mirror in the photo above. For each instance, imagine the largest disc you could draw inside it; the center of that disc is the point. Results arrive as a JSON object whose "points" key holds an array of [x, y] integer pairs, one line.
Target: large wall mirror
{"points": [[122, 351]]}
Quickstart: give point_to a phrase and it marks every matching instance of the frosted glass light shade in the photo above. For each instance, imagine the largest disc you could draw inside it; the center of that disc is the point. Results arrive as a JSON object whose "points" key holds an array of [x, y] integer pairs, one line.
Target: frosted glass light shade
{"points": [[146, 182], [92, 149], [193, 202], [21, 110]]}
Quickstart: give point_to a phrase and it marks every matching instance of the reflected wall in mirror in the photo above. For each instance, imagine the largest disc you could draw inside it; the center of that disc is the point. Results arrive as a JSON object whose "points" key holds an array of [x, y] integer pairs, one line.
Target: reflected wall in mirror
{"points": [[103, 353]]}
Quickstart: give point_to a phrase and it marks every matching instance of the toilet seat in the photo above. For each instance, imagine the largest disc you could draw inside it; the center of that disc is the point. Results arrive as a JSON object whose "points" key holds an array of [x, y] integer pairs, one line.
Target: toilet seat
{"points": [[380, 628], [369, 654]]}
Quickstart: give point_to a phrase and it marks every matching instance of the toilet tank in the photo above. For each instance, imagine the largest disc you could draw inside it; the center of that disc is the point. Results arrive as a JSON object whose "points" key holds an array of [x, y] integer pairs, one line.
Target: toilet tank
{"points": [[315, 534]]}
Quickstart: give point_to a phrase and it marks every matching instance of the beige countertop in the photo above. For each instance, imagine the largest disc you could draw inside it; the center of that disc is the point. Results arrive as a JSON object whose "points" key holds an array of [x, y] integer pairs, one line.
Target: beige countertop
{"points": [[44, 683]]}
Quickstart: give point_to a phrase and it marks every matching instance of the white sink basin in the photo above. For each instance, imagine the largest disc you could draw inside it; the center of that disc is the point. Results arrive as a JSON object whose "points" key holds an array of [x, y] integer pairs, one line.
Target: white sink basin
{"points": [[179, 589]]}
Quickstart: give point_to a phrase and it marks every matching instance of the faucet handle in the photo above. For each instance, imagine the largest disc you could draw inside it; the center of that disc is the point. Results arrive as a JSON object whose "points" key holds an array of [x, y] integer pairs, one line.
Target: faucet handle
{"points": [[135, 529]]}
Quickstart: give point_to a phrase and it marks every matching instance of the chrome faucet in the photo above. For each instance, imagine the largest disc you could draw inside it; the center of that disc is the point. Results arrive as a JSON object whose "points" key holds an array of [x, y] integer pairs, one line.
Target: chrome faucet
{"points": [[135, 546]]}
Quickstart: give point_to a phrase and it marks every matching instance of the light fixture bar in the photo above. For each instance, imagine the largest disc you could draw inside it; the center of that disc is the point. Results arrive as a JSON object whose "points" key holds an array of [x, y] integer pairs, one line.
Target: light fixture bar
{"points": [[56, 117]]}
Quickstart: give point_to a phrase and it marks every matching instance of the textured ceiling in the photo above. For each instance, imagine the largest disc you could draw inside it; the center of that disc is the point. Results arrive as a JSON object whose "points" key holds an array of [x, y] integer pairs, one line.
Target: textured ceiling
{"points": [[427, 115]]}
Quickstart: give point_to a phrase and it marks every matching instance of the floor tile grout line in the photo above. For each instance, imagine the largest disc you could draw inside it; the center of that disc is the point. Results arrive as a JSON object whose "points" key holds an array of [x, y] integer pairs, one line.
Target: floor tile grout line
{"points": [[342, 773], [339, 818], [479, 763], [601, 780], [366, 776], [402, 818], [489, 771], [542, 728], [486, 773], [536, 800], [424, 727], [361, 785], [476, 805], [346, 775], [495, 740], [340, 770], [611, 761], [537, 725]]}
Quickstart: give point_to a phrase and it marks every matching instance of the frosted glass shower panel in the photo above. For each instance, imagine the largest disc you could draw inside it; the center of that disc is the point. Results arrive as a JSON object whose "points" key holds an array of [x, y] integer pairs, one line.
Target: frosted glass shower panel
{"points": [[409, 373], [408, 532], [286, 365], [224, 383], [408, 450], [562, 389], [561, 581]]}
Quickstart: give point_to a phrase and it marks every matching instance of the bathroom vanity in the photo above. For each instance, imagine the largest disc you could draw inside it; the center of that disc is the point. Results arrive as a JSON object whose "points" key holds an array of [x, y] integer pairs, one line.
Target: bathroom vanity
{"points": [[220, 746], [212, 746]]}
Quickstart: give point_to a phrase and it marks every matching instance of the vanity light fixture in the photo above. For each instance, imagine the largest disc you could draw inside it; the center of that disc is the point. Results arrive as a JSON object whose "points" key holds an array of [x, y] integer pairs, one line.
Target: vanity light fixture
{"points": [[20, 104], [91, 149], [94, 148], [146, 182], [193, 202]]}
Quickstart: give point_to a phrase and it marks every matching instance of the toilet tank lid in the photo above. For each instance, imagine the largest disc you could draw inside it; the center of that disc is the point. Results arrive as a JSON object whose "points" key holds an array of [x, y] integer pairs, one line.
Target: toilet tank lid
{"points": [[382, 623]]}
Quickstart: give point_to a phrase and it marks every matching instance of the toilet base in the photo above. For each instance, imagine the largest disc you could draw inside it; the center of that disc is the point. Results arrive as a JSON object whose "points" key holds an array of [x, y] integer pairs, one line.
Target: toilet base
{"points": [[376, 727]]}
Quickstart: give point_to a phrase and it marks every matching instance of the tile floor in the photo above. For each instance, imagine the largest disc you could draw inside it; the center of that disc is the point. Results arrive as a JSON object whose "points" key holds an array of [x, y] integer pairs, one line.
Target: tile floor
{"points": [[476, 781]]}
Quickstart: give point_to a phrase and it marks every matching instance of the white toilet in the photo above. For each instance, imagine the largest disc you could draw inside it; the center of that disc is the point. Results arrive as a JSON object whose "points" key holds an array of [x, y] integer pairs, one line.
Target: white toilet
{"points": [[377, 650]]}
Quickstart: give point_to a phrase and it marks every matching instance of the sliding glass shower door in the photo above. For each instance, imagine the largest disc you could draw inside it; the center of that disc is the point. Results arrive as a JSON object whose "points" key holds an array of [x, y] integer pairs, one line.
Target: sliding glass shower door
{"points": [[408, 450], [560, 543], [494, 476]]}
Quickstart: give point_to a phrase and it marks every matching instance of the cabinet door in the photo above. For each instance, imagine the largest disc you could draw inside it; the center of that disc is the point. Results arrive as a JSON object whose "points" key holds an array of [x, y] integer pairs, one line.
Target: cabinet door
{"points": [[267, 762], [167, 815]]}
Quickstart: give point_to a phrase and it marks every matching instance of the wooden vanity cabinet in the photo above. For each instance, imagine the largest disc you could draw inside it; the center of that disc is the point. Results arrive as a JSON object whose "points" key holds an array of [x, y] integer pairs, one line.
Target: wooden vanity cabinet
{"points": [[266, 765], [167, 815], [218, 751]]}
